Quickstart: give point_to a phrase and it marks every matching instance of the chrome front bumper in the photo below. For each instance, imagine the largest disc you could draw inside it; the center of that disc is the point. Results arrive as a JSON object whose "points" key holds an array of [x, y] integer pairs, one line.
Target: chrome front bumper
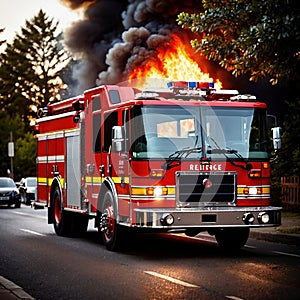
{"points": [[208, 217]]}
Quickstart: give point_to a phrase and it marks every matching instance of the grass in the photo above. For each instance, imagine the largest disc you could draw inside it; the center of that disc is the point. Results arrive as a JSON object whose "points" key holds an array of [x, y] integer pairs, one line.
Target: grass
{"points": [[293, 230], [290, 230], [290, 214]]}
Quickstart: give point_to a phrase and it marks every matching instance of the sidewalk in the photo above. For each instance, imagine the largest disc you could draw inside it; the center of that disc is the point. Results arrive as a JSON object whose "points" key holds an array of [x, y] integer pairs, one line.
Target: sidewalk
{"points": [[287, 233]]}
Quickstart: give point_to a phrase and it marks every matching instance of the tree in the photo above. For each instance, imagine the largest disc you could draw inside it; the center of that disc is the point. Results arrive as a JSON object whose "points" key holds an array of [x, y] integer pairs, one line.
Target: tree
{"points": [[260, 38], [23, 160], [288, 162], [30, 68], [25, 156], [1, 42]]}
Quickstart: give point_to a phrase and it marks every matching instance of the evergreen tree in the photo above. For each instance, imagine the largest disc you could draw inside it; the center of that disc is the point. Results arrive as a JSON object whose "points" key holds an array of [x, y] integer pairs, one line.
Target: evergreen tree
{"points": [[1, 42], [30, 68]]}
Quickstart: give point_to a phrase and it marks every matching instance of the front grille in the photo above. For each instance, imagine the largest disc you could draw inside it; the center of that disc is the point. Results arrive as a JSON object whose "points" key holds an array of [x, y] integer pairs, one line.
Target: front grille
{"points": [[205, 188]]}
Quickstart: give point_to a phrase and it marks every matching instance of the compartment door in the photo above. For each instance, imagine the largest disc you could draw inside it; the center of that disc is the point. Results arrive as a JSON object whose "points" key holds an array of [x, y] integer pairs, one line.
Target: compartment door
{"points": [[73, 182]]}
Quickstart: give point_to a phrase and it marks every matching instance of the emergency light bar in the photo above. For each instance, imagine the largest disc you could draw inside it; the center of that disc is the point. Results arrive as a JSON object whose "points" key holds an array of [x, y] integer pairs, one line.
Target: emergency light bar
{"points": [[243, 98], [225, 92], [146, 95], [188, 90], [190, 85]]}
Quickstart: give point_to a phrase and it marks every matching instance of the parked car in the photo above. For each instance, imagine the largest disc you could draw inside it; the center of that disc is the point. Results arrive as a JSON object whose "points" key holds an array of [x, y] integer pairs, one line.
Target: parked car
{"points": [[28, 189], [9, 193]]}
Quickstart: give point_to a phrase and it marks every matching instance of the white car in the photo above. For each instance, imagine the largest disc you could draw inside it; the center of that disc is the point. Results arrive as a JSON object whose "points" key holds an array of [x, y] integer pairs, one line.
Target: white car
{"points": [[28, 190]]}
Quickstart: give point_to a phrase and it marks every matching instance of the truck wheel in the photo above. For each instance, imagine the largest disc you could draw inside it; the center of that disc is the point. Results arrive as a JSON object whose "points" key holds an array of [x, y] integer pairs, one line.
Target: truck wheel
{"points": [[61, 220], [110, 230], [232, 238]]}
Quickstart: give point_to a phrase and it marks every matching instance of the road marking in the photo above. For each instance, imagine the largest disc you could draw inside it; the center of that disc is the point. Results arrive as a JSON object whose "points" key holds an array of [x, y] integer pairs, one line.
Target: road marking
{"points": [[33, 232], [30, 215], [251, 247], [288, 254], [234, 298], [171, 279]]}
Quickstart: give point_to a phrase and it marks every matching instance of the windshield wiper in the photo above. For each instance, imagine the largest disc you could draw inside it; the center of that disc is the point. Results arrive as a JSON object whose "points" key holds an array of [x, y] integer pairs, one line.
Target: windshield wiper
{"points": [[225, 151], [222, 151], [176, 157]]}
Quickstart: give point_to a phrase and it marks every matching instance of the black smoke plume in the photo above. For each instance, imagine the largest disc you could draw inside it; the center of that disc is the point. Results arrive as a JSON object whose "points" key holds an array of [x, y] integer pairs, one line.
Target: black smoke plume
{"points": [[115, 36]]}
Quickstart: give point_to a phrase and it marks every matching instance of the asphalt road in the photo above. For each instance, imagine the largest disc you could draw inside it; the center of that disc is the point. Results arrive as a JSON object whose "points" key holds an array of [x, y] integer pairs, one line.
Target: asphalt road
{"points": [[151, 267]]}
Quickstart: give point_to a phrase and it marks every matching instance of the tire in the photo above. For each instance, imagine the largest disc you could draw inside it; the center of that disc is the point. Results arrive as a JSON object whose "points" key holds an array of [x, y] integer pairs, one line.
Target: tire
{"points": [[232, 238], [110, 231], [61, 220]]}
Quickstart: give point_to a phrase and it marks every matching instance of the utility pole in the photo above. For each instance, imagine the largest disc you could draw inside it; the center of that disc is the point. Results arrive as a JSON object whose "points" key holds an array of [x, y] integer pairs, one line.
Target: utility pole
{"points": [[11, 154]]}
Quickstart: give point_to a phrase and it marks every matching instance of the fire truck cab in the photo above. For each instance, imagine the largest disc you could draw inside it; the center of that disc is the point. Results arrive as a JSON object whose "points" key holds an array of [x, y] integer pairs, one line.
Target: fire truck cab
{"points": [[188, 158]]}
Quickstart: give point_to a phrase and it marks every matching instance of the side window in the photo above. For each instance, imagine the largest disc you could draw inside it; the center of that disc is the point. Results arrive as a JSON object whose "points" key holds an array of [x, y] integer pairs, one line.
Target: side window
{"points": [[96, 132], [125, 117], [114, 96], [111, 119], [96, 103]]}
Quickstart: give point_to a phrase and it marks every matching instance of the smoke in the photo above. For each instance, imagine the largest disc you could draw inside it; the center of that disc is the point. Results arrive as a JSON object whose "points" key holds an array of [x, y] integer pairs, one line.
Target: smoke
{"points": [[115, 36]]}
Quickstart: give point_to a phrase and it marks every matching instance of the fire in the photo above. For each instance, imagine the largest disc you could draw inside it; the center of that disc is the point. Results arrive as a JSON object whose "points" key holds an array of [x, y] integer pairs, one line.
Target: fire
{"points": [[172, 63]]}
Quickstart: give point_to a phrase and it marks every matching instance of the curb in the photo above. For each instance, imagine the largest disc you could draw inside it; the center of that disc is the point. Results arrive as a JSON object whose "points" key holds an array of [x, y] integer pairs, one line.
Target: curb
{"points": [[13, 290]]}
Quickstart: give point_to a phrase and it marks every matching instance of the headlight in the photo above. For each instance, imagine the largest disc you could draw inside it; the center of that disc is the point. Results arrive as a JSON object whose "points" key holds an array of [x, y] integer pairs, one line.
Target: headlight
{"points": [[252, 190], [157, 191], [263, 218]]}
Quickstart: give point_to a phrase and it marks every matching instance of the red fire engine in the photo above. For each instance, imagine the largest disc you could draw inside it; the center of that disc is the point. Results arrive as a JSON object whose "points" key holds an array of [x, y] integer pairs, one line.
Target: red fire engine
{"points": [[188, 158]]}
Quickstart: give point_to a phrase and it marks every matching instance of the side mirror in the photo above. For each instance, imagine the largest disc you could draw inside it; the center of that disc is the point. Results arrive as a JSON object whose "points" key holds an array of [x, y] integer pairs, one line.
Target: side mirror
{"points": [[276, 137], [118, 139]]}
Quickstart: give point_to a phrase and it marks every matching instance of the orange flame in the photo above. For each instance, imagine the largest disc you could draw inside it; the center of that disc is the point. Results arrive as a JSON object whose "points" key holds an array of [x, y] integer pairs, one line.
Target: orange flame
{"points": [[172, 63]]}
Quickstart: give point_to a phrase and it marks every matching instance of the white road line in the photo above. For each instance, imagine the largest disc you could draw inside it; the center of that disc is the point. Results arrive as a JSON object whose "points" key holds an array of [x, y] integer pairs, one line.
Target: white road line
{"points": [[171, 279], [287, 254], [32, 232], [251, 247], [30, 215], [183, 283]]}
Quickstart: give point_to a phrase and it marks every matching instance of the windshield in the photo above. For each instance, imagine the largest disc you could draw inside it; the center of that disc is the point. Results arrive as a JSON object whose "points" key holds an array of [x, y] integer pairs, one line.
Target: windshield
{"points": [[31, 181], [158, 132], [237, 131], [161, 131], [6, 182]]}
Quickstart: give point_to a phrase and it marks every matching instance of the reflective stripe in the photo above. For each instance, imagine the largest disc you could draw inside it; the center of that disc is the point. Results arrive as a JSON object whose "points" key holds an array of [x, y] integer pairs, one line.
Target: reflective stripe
{"points": [[53, 158], [142, 190], [265, 189], [48, 181]]}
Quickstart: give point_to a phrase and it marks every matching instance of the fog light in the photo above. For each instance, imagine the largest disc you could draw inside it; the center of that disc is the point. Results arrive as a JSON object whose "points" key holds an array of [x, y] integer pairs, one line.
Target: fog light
{"points": [[167, 219], [248, 218], [263, 217]]}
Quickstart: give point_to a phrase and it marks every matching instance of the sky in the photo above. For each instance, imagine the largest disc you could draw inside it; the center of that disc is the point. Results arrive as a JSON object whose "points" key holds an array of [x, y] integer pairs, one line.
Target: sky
{"points": [[14, 13]]}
